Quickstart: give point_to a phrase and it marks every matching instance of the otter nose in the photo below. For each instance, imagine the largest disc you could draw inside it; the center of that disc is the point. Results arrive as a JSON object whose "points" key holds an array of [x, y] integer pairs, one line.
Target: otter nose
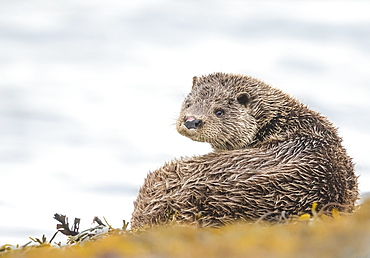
{"points": [[192, 123]]}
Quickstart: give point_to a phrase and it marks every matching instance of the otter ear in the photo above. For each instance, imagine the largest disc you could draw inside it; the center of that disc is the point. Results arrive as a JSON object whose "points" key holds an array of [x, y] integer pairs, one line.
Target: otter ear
{"points": [[243, 98], [195, 81]]}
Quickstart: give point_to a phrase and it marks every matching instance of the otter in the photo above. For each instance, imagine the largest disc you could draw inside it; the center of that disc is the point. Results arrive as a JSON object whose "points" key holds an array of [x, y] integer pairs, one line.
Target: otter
{"points": [[273, 157]]}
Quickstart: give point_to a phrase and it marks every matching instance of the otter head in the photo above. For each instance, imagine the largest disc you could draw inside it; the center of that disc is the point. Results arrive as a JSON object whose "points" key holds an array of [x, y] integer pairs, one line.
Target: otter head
{"points": [[219, 110]]}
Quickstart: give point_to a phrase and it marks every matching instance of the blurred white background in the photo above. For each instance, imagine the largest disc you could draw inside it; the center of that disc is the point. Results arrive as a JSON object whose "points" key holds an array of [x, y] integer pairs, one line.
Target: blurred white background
{"points": [[90, 91]]}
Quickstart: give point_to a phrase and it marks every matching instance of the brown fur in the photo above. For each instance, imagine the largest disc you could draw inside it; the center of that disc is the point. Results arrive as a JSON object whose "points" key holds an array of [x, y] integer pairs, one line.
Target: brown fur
{"points": [[272, 154]]}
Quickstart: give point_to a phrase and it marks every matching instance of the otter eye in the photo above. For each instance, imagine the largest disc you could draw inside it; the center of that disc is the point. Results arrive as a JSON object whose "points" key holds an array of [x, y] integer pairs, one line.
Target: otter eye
{"points": [[219, 112]]}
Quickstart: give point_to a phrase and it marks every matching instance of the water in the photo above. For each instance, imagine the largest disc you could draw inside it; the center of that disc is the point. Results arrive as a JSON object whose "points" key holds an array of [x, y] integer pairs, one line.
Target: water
{"points": [[90, 90]]}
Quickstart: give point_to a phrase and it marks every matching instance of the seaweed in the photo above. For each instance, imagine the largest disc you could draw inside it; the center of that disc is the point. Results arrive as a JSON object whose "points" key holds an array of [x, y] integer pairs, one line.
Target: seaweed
{"points": [[63, 227], [325, 232]]}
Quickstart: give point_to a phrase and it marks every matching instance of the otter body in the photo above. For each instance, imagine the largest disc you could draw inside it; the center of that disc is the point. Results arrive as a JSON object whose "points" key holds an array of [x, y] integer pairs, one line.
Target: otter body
{"points": [[272, 156]]}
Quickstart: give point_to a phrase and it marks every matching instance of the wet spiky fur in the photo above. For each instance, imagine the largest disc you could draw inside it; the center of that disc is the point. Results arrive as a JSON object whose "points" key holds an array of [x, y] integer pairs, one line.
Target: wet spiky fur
{"points": [[272, 155]]}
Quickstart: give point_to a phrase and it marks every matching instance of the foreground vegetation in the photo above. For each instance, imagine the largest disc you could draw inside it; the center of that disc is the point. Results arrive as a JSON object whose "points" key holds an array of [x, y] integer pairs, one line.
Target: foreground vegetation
{"points": [[306, 236]]}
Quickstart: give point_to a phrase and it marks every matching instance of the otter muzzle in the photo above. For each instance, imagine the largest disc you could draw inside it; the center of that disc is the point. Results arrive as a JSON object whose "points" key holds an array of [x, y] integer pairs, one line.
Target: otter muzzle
{"points": [[191, 123]]}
